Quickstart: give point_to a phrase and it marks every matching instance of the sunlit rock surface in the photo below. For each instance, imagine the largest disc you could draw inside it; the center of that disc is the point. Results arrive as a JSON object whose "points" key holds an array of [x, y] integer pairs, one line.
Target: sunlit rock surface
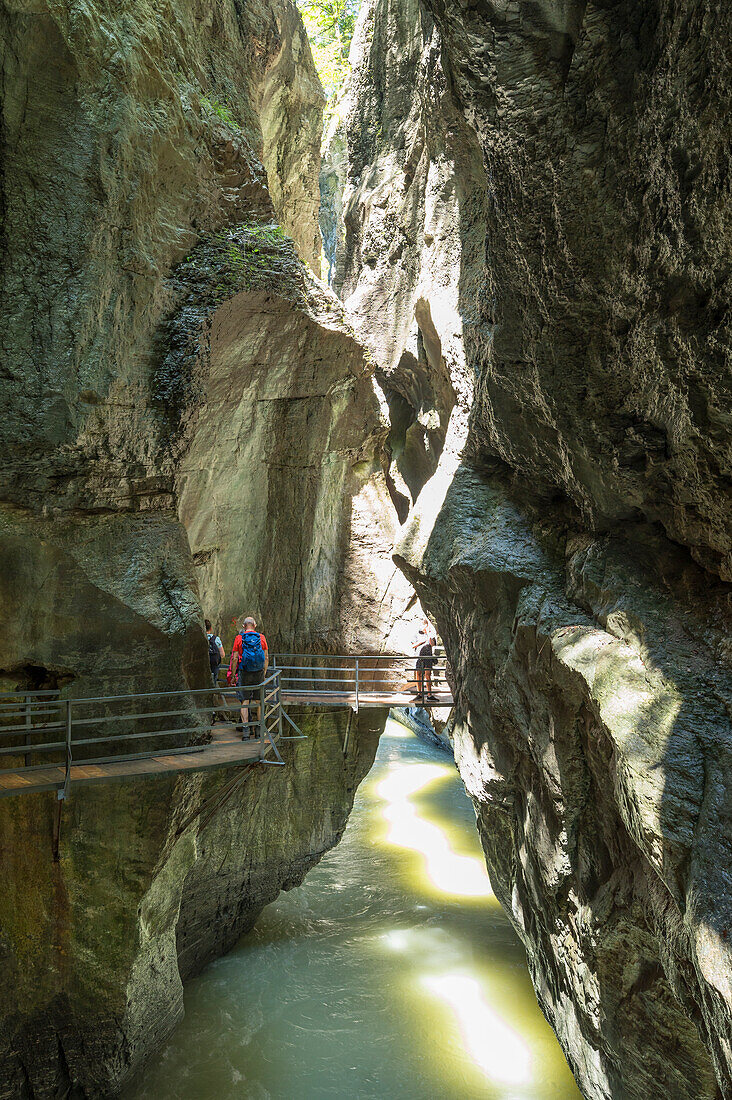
{"points": [[290, 108], [551, 184], [410, 264]]}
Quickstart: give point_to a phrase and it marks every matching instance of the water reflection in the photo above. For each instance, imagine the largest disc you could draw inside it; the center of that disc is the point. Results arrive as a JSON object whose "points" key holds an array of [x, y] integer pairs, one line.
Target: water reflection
{"points": [[391, 974], [455, 876], [494, 1047]]}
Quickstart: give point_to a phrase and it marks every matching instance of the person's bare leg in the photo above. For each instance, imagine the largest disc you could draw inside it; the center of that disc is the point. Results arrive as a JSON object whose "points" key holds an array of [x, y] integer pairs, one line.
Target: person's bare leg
{"points": [[428, 680]]}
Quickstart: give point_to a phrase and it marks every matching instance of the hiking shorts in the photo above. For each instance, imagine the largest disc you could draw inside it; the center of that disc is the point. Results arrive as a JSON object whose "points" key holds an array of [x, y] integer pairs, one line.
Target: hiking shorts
{"points": [[249, 679], [425, 659]]}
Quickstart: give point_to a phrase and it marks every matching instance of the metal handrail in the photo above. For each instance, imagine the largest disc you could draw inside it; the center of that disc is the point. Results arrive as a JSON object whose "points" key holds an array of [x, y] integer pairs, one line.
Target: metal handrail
{"points": [[349, 657], [265, 700], [363, 676]]}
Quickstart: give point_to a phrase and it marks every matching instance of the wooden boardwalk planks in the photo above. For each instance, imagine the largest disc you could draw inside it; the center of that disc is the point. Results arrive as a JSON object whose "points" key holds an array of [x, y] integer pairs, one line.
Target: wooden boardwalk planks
{"points": [[224, 752]]}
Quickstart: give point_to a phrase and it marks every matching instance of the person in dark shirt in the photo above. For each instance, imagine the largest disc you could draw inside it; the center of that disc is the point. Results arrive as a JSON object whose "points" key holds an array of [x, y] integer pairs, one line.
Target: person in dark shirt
{"points": [[215, 652], [423, 644]]}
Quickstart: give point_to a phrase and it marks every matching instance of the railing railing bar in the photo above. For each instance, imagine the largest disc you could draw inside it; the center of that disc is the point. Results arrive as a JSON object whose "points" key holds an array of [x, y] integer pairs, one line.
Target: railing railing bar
{"points": [[320, 679], [81, 700], [317, 668], [381, 670], [317, 691], [42, 696], [4, 714], [351, 657], [271, 711], [21, 750], [399, 670], [22, 713], [137, 736], [41, 728], [133, 717]]}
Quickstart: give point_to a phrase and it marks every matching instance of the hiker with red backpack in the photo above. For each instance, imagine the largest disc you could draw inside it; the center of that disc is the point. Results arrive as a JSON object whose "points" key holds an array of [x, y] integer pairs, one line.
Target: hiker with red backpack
{"points": [[248, 667]]}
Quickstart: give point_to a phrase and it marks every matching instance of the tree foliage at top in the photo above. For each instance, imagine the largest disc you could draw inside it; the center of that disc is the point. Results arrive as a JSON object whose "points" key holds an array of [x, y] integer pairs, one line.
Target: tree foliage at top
{"points": [[330, 24]]}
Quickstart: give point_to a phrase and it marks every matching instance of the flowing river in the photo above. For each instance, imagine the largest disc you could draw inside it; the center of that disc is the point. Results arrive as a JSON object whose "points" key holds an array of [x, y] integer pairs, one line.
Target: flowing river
{"points": [[391, 974]]}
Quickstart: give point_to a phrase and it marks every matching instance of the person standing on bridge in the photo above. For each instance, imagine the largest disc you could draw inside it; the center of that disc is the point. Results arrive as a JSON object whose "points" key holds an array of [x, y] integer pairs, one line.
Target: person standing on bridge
{"points": [[249, 663], [424, 641]]}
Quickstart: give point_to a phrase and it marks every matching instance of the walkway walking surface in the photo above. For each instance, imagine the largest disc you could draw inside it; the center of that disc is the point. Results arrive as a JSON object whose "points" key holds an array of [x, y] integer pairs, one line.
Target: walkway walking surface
{"points": [[226, 749]]}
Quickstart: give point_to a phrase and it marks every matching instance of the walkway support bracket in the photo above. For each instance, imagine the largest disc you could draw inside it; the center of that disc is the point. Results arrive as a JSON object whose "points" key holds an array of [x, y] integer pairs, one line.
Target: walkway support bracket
{"points": [[300, 735], [264, 733]]}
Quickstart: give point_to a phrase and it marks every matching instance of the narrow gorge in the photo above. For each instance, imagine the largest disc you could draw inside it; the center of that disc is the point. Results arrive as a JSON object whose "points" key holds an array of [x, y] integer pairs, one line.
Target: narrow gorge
{"points": [[506, 402]]}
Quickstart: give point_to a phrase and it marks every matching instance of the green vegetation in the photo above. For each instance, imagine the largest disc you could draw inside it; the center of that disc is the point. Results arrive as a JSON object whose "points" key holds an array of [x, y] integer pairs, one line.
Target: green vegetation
{"points": [[244, 257], [330, 25], [254, 254], [223, 111]]}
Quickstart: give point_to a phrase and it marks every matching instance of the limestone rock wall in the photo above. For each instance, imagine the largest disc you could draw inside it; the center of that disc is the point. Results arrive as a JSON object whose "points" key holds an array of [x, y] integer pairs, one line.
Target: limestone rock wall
{"points": [[290, 107], [333, 181], [190, 429], [572, 540], [604, 137], [410, 264]]}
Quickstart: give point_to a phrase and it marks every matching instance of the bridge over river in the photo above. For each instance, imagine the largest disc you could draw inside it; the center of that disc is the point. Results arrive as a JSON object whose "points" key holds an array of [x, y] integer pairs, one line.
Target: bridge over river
{"points": [[50, 742]]}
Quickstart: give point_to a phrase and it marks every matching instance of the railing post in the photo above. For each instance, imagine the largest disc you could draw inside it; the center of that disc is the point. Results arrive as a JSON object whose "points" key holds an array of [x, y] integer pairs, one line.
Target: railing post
{"points": [[67, 778], [28, 726], [262, 723], [279, 706], [357, 683], [62, 792]]}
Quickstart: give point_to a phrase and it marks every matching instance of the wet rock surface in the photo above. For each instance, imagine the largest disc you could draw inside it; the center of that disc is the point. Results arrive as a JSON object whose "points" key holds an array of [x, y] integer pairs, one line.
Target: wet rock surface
{"points": [[433, 730], [572, 540]]}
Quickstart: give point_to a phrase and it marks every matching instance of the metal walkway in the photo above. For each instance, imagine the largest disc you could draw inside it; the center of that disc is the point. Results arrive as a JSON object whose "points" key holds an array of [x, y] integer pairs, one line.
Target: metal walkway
{"points": [[225, 749], [363, 680], [51, 743]]}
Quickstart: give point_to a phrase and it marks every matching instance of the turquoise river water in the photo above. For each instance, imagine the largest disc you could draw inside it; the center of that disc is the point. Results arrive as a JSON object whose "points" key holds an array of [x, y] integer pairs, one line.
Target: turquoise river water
{"points": [[391, 974]]}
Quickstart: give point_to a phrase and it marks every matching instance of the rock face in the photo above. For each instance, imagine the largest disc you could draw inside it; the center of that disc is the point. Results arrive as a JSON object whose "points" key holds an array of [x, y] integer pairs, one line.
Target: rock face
{"points": [[535, 214], [190, 426], [290, 108]]}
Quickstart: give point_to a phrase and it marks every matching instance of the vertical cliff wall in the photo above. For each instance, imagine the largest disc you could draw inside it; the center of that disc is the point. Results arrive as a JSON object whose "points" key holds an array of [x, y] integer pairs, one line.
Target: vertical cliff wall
{"points": [[536, 212], [190, 427]]}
